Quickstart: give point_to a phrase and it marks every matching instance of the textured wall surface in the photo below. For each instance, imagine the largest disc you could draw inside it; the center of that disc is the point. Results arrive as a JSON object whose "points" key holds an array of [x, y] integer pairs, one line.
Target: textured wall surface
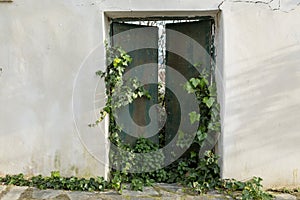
{"points": [[262, 94], [44, 46], [50, 50]]}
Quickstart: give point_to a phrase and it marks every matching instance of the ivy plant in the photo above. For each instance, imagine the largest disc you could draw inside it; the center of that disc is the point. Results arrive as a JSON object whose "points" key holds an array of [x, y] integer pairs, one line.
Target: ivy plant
{"points": [[55, 181], [197, 174], [200, 174]]}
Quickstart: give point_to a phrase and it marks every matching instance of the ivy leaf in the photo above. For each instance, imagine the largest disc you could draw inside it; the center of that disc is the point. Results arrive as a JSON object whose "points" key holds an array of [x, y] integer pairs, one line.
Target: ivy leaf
{"points": [[100, 73], [208, 101], [148, 95], [135, 83], [188, 87], [193, 154], [140, 94], [194, 117], [204, 82], [180, 134], [127, 58], [198, 64], [214, 126], [181, 141], [195, 81], [55, 174], [135, 95], [116, 62], [201, 136], [212, 90]]}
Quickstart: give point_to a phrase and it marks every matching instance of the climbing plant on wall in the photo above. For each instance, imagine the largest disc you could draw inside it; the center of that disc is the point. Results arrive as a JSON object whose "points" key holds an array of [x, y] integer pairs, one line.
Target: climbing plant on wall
{"points": [[199, 173]]}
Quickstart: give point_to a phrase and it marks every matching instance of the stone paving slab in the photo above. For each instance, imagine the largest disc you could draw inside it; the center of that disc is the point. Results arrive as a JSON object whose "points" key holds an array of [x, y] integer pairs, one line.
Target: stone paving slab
{"points": [[76, 195], [158, 192], [2, 188], [147, 191], [46, 194], [13, 193], [170, 188], [285, 197]]}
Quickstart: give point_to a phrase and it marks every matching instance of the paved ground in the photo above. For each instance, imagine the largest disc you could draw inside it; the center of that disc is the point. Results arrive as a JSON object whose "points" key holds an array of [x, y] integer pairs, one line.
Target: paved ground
{"points": [[159, 191]]}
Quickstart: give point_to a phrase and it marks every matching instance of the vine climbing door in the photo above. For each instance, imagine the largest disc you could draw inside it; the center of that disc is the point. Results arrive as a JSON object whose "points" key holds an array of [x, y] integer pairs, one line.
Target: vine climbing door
{"points": [[188, 50]]}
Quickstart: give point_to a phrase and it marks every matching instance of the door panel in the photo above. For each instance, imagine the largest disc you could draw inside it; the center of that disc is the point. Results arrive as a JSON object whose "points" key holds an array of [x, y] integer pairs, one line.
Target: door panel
{"points": [[141, 43], [187, 44]]}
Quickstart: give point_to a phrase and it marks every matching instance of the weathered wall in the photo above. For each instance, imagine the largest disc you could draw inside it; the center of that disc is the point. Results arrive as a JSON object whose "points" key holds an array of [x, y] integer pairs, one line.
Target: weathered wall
{"points": [[43, 46], [50, 50], [262, 96]]}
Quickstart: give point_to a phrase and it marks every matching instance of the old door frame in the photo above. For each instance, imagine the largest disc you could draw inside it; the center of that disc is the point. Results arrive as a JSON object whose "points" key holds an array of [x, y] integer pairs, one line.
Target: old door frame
{"points": [[109, 16]]}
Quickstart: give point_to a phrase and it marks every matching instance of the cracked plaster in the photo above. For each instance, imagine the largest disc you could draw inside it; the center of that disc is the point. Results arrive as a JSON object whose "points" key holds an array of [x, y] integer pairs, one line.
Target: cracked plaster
{"points": [[280, 5]]}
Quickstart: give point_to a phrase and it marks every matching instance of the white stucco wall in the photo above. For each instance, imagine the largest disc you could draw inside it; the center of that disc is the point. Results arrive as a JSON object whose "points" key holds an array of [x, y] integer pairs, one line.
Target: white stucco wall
{"points": [[49, 51], [43, 46], [261, 133]]}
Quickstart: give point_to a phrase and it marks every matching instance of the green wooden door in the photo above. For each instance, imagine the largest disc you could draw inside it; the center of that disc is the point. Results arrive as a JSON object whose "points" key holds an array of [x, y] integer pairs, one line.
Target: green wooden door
{"points": [[187, 44], [141, 43]]}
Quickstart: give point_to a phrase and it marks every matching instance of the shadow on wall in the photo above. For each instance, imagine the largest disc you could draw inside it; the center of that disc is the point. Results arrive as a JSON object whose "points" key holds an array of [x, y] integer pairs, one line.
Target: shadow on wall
{"points": [[263, 112]]}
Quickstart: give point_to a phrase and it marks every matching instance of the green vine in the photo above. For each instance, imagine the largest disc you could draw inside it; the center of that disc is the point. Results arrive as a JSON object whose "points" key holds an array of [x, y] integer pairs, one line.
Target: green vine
{"points": [[197, 174], [249, 190], [118, 92], [55, 181], [200, 174]]}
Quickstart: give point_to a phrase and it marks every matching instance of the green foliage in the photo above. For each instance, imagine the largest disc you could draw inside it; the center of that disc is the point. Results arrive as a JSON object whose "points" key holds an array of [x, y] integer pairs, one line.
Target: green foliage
{"points": [[117, 178], [208, 101], [286, 190], [199, 174], [137, 180], [119, 92], [209, 116], [200, 179], [137, 184], [55, 181], [249, 190], [194, 117]]}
